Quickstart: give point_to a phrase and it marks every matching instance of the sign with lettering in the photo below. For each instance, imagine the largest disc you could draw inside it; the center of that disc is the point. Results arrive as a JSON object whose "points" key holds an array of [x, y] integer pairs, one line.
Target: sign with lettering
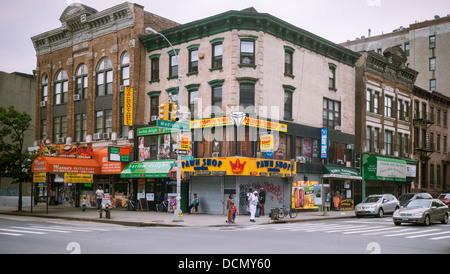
{"points": [[128, 107], [239, 166]]}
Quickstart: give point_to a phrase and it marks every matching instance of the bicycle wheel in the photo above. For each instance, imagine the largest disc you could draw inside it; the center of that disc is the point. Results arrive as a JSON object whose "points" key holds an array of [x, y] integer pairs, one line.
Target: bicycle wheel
{"points": [[159, 207], [283, 213], [293, 213]]}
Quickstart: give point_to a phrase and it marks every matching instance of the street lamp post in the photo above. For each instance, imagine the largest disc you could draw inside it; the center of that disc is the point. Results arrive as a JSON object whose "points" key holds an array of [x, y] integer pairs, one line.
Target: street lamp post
{"points": [[177, 215]]}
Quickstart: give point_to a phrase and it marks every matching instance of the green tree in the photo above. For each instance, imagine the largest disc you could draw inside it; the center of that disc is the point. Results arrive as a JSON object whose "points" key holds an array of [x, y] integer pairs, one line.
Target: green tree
{"points": [[15, 160]]}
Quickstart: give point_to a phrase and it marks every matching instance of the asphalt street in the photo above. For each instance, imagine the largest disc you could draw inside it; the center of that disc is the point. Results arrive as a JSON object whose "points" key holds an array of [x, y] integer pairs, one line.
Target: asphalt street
{"points": [[28, 235]]}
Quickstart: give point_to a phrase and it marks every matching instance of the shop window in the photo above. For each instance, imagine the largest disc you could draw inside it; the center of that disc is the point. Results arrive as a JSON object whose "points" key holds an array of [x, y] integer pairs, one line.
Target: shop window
{"points": [[331, 114], [104, 73], [61, 87], [44, 88], [193, 60], [217, 51], [125, 69], [247, 52], [80, 127], [81, 81]]}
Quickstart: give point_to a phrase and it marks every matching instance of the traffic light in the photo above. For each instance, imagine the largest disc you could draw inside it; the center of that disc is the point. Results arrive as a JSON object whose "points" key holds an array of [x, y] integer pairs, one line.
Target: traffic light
{"points": [[164, 111], [174, 115]]}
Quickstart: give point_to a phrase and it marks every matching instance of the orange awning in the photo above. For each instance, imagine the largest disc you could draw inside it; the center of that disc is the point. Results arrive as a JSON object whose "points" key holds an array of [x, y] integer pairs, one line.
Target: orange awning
{"points": [[65, 165], [106, 167]]}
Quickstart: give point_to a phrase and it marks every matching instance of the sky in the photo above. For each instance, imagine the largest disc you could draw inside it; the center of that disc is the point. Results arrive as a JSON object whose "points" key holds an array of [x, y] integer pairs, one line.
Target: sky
{"points": [[335, 20]]}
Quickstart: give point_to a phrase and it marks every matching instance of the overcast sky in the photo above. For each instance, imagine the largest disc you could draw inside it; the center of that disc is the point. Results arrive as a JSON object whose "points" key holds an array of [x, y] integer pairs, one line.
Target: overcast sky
{"points": [[335, 20]]}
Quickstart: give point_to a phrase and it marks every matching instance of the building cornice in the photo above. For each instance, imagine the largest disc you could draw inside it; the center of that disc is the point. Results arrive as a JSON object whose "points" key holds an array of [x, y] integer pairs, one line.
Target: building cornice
{"points": [[251, 21], [78, 27]]}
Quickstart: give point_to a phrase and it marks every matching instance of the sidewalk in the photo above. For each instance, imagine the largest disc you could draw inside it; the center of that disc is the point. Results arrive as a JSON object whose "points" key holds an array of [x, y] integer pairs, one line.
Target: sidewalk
{"points": [[152, 218]]}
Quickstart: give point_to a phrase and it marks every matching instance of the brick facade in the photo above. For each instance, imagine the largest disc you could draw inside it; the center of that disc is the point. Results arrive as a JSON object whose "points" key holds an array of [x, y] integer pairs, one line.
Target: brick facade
{"points": [[86, 37]]}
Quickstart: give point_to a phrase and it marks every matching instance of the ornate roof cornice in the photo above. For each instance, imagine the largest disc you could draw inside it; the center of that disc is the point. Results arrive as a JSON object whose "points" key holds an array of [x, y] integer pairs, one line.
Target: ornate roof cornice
{"points": [[252, 21]]}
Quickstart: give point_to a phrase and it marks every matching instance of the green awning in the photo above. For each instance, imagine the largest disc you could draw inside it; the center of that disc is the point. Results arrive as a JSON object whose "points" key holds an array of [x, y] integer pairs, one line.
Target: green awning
{"points": [[147, 169], [382, 168], [341, 173]]}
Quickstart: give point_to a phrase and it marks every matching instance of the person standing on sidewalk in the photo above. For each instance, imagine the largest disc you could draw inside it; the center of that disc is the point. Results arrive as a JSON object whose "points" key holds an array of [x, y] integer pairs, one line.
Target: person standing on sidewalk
{"points": [[230, 207], [99, 193], [83, 203], [262, 201], [253, 202]]}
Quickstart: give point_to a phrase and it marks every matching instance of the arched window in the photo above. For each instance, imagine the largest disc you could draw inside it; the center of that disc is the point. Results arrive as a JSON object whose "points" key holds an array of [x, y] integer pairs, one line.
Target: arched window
{"points": [[104, 77], [44, 88], [81, 81], [125, 69], [61, 87]]}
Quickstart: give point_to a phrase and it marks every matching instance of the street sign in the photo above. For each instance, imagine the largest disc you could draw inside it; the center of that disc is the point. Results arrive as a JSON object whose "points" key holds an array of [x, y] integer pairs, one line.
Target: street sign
{"points": [[181, 152], [174, 125]]}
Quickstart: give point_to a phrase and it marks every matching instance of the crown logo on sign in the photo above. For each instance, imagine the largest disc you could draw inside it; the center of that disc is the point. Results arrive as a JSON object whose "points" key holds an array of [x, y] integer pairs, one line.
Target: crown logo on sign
{"points": [[237, 167]]}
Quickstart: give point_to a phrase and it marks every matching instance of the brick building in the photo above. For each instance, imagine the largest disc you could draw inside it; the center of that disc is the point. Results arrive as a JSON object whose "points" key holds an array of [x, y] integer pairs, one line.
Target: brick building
{"points": [[81, 67], [82, 70]]}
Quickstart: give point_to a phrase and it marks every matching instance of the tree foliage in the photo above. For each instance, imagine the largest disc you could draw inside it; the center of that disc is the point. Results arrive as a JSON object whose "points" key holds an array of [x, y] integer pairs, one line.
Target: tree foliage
{"points": [[15, 160]]}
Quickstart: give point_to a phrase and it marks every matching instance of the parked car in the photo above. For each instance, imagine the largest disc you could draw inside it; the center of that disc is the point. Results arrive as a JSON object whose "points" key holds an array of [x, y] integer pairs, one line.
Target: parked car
{"points": [[422, 211], [445, 198], [404, 198], [377, 205]]}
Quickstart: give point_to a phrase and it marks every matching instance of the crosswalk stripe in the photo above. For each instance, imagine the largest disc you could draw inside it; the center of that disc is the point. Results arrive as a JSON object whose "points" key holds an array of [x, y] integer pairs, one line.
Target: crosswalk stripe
{"points": [[369, 230], [10, 234], [426, 235], [64, 228], [375, 233], [440, 238], [356, 227], [324, 228], [41, 229], [407, 233], [22, 231]]}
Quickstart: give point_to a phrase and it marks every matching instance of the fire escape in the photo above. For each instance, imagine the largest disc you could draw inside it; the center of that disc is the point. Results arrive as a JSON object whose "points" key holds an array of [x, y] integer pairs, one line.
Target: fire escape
{"points": [[426, 146]]}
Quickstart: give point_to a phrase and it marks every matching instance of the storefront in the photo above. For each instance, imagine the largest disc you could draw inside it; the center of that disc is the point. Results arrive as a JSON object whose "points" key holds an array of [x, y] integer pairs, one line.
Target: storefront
{"points": [[56, 177], [345, 187], [387, 175], [112, 161], [214, 179], [64, 173], [151, 180]]}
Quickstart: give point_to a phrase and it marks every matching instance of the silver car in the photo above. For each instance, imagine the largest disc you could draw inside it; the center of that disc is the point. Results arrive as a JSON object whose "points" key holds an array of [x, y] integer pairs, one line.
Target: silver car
{"points": [[377, 205], [422, 211]]}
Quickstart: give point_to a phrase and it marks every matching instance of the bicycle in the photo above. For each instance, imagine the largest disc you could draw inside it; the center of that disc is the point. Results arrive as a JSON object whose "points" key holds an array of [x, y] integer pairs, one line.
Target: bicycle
{"points": [[131, 206], [284, 211], [163, 206]]}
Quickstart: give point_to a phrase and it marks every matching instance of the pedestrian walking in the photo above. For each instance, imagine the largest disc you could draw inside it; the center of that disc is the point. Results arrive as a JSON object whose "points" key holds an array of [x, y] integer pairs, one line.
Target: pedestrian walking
{"points": [[230, 207], [253, 202], [83, 203], [99, 194], [194, 204]]}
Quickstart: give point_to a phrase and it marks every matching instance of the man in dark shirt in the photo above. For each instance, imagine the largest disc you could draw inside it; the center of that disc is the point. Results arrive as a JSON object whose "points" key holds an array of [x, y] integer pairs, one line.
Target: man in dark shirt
{"points": [[262, 201]]}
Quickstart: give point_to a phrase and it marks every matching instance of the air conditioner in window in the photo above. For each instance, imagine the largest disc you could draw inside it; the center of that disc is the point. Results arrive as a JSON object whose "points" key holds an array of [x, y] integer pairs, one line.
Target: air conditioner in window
{"points": [[215, 154], [406, 155], [154, 118], [338, 128], [76, 97], [300, 159], [106, 135], [43, 103], [98, 136]]}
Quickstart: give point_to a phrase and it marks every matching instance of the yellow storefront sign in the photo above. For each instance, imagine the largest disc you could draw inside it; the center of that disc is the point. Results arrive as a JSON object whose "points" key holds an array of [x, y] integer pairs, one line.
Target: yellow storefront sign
{"points": [[78, 178], [128, 107], [266, 142], [251, 122], [239, 166], [39, 177]]}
